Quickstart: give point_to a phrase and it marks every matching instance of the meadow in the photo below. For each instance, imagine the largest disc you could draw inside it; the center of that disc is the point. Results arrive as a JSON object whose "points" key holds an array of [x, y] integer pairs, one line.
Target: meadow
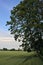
{"points": [[19, 58]]}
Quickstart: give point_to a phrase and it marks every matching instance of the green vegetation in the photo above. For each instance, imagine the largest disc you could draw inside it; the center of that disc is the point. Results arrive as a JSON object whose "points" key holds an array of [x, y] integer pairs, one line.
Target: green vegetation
{"points": [[19, 58], [26, 23]]}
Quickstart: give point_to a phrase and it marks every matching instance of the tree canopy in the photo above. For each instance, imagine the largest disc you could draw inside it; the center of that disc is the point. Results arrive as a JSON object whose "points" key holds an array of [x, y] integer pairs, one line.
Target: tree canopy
{"points": [[27, 23]]}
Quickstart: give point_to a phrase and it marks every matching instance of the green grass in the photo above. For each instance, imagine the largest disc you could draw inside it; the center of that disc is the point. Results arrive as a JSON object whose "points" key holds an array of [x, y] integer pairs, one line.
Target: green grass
{"points": [[19, 58]]}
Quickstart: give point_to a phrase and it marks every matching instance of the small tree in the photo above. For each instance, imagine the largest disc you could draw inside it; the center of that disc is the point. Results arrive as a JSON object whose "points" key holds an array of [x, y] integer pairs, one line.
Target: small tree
{"points": [[5, 49], [12, 49]]}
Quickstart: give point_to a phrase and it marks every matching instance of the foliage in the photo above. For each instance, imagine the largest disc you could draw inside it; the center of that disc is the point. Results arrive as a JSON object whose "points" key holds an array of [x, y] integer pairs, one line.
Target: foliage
{"points": [[5, 49], [12, 49], [26, 23]]}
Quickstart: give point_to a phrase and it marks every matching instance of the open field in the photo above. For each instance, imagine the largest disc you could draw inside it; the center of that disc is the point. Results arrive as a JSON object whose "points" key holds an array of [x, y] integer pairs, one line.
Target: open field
{"points": [[19, 58]]}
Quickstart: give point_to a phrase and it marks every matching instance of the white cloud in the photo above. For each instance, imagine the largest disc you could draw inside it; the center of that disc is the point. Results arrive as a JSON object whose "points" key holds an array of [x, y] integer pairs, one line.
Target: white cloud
{"points": [[6, 39], [9, 42]]}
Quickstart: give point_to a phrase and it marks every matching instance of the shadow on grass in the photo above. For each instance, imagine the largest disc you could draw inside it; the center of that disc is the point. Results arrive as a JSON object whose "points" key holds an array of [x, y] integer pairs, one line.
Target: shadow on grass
{"points": [[33, 56], [29, 57], [41, 57]]}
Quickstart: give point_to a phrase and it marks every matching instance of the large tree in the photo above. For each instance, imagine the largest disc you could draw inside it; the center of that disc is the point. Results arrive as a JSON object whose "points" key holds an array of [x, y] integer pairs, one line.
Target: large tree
{"points": [[27, 23]]}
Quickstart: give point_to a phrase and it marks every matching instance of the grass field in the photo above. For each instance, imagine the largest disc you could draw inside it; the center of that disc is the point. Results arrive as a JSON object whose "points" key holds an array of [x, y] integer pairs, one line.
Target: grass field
{"points": [[19, 58]]}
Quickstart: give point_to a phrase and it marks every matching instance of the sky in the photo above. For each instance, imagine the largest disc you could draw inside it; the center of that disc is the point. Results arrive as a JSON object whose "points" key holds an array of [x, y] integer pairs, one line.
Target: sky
{"points": [[6, 39]]}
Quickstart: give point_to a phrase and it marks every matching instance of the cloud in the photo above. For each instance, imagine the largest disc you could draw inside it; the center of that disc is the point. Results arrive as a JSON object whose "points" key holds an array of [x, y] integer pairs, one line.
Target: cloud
{"points": [[9, 42], [6, 39]]}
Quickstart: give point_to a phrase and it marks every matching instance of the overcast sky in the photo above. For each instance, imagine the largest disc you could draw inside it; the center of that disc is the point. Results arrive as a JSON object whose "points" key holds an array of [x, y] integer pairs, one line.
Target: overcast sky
{"points": [[6, 39]]}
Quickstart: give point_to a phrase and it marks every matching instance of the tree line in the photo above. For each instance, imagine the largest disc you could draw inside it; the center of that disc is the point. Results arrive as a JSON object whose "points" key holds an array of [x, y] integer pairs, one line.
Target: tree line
{"points": [[13, 49]]}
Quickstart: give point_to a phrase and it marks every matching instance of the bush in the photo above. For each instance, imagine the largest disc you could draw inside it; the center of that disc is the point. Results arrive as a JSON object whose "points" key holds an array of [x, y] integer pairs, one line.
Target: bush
{"points": [[12, 49], [5, 49]]}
